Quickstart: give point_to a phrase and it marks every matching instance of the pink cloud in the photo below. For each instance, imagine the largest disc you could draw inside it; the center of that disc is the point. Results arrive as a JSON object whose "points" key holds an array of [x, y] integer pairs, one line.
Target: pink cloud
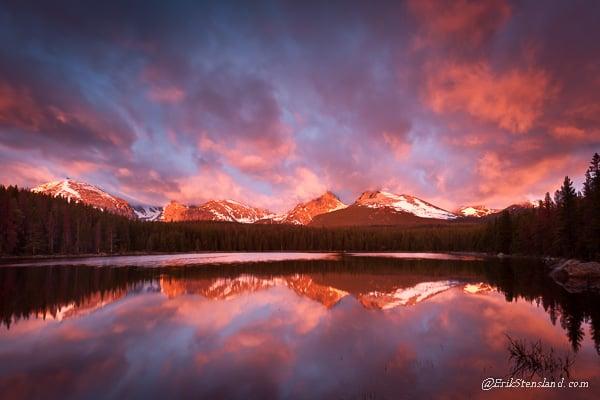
{"points": [[305, 184], [462, 20], [71, 123], [251, 155], [502, 181], [399, 147], [573, 133], [80, 167], [512, 99], [24, 174], [209, 183], [19, 109], [467, 140], [170, 94]]}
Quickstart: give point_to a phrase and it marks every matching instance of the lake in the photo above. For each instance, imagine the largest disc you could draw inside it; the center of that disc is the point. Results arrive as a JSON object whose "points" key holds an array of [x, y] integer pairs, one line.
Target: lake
{"points": [[292, 325]]}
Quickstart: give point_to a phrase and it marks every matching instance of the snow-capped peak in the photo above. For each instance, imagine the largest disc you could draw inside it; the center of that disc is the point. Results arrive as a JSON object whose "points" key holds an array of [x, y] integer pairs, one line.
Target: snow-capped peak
{"points": [[475, 211], [76, 191], [60, 188], [403, 203]]}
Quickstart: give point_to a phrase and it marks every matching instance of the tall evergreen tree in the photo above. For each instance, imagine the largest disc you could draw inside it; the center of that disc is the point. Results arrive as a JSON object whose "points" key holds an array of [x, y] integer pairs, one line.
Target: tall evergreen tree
{"points": [[567, 213], [592, 176], [505, 232], [591, 208], [546, 226], [548, 203]]}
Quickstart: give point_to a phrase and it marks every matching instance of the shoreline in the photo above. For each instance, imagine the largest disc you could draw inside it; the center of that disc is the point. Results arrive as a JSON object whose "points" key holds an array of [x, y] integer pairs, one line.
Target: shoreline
{"points": [[9, 259]]}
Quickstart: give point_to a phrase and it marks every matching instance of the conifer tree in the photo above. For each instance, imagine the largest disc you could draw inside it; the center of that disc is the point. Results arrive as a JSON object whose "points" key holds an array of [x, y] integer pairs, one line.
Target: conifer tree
{"points": [[567, 213], [591, 208], [505, 232]]}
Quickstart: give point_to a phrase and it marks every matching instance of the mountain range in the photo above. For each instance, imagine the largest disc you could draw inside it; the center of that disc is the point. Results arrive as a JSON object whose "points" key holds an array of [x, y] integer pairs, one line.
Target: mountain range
{"points": [[369, 209], [382, 292]]}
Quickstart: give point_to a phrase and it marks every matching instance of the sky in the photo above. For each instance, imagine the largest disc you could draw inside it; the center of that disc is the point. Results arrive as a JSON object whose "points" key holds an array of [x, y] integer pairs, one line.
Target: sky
{"points": [[272, 103]]}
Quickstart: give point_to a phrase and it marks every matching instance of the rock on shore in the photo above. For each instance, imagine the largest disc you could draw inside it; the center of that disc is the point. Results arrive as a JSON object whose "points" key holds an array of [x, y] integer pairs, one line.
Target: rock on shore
{"points": [[577, 276]]}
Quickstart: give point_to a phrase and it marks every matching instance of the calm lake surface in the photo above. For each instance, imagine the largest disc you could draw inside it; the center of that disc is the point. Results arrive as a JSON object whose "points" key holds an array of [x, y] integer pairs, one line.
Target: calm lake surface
{"points": [[289, 325]]}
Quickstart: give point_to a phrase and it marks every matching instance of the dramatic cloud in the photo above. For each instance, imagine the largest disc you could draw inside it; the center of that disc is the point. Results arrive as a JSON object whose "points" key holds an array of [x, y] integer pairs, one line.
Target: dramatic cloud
{"points": [[461, 102], [513, 100]]}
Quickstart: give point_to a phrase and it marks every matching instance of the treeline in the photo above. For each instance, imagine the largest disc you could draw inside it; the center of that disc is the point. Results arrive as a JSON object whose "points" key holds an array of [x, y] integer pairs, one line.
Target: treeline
{"points": [[35, 224], [566, 224]]}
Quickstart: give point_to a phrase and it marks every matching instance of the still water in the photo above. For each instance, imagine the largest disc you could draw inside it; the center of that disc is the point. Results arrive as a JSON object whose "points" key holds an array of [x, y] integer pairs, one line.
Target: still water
{"points": [[292, 325]]}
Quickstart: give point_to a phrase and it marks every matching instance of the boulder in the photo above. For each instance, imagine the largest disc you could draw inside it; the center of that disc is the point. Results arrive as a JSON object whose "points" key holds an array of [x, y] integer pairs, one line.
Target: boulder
{"points": [[577, 276]]}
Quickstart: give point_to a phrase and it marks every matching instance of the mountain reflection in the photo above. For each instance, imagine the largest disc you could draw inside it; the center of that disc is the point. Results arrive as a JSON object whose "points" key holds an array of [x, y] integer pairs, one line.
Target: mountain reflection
{"points": [[62, 292]]}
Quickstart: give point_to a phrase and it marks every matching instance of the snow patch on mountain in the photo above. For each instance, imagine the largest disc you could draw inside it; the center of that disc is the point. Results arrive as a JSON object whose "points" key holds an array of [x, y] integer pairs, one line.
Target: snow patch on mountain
{"points": [[234, 211], [475, 211], [148, 213], [477, 288], [407, 296], [403, 203]]}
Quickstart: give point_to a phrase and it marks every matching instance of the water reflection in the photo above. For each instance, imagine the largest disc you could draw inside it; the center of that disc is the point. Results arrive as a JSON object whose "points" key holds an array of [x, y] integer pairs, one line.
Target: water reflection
{"points": [[179, 260], [356, 327]]}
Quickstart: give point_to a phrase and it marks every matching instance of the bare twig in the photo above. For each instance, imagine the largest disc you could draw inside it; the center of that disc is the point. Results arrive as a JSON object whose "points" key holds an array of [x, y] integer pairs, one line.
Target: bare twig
{"points": [[532, 358]]}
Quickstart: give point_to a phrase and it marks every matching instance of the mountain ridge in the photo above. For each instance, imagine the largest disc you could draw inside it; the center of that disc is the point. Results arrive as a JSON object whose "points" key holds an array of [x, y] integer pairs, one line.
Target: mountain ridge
{"points": [[369, 209], [214, 210], [86, 193]]}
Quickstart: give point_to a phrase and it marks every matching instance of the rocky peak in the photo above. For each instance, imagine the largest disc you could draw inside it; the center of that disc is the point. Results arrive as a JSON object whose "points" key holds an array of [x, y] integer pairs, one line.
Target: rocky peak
{"points": [[303, 213]]}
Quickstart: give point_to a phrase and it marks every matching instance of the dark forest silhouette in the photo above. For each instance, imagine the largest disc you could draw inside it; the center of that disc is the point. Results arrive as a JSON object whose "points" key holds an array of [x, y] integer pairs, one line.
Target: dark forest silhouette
{"points": [[567, 225]]}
